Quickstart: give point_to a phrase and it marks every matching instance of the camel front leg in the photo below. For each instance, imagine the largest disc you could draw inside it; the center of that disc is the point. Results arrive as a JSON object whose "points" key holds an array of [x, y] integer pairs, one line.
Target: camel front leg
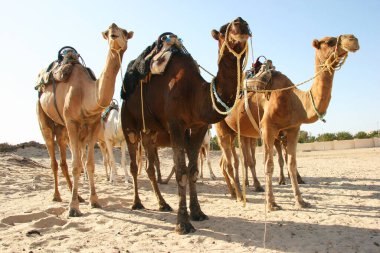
{"points": [[292, 148], [192, 149], [268, 140], [73, 132], [90, 165]]}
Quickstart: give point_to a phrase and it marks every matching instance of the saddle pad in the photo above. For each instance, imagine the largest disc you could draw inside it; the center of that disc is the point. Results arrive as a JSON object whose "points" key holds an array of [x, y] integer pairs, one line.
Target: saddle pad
{"points": [[160, 61]]}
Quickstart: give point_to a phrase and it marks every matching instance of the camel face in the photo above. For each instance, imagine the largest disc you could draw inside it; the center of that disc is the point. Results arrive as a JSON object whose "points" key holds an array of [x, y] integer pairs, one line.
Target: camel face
{"points": [[341, 45], [238, 34], [239, 30], [117, 37]]}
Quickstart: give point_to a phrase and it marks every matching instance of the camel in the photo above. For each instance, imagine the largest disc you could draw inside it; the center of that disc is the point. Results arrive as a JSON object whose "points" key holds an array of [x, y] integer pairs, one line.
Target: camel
{"points": [[111, 136], [80, 102], [286, 109], [226, 139], [179, 102]]}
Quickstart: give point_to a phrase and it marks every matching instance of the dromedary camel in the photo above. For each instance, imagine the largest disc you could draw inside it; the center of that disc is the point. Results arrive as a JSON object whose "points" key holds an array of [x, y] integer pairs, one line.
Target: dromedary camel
{"points": [[286, 110], [80, 101], [226, 138], [204, 154], [179, 102], [110, 136]]}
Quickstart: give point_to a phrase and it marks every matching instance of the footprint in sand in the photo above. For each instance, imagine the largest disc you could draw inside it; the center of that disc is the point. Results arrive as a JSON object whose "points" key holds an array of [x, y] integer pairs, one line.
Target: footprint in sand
{"points": [[49, 222], [24, 218]]}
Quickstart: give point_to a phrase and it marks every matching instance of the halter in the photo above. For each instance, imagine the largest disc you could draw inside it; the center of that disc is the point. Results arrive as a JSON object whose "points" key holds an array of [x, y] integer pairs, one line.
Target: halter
{"points": [[213, 92]]}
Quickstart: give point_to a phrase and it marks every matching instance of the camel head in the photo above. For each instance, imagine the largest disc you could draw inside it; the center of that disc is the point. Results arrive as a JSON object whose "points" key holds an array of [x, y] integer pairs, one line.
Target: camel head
{"points": [[237, 33], [117, 37], [333, 50]]}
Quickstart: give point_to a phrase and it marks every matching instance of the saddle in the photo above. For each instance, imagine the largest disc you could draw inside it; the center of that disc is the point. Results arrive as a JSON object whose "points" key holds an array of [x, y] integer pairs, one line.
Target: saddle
{"points": [[113, 106], [260, 76], [152, 61], [60, 69]]}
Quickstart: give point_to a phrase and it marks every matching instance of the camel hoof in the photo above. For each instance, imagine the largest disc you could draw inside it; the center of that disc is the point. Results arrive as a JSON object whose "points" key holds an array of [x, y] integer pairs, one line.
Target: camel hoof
{"points": [[258, 189], [96, 205], [73, 212], [57, 199], [184, 228], [200, 216], [282, 182], [165, 208], [81, 200], [273, 207], [300, 181], [159, 181], [137, 206], [303, 204], [213, 177]]}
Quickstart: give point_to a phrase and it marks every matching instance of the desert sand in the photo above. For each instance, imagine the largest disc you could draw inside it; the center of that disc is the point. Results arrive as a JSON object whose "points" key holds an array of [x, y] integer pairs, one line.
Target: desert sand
{"points": [[342, 186]]}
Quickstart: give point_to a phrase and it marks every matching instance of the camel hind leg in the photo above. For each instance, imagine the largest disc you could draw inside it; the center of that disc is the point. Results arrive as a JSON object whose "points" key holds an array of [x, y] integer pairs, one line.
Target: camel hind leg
{"points": [[150, 150], [48, 132]]}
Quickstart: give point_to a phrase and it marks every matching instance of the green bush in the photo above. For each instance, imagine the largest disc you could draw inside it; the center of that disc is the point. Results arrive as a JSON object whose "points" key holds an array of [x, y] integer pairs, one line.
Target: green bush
{"points": [[344, 136], [361, 135], [326, 137]]}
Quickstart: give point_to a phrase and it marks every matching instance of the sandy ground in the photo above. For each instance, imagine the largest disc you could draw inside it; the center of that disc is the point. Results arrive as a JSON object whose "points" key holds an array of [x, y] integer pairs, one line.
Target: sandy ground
{"points": [[342, 186]]}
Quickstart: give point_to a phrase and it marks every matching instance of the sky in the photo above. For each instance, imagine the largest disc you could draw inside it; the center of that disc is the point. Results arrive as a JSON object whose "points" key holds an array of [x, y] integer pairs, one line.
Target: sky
{"points": [[32, 32]]}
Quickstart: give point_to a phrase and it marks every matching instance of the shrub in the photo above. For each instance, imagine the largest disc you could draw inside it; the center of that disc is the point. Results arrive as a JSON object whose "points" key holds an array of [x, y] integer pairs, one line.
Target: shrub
{"points": [[344, 136]]}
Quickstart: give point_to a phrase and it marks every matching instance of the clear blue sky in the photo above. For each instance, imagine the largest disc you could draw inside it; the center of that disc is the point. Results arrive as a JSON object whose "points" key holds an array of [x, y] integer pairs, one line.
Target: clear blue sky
{"points": [[33, 31]]}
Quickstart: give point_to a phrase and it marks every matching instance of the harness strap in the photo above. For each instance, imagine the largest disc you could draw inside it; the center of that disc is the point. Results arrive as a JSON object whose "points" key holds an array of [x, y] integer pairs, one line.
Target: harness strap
{"points": [[248, 110], [320, 116], [55, 101]]}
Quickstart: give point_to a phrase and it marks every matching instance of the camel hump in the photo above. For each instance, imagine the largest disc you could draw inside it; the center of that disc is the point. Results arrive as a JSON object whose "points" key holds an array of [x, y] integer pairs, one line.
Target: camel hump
{"points": [[60, 69]]}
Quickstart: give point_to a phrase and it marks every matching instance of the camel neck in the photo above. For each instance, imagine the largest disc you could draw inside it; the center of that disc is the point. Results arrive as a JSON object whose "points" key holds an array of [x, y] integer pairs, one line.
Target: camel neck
{"points": [[321, 92], [226, 79], [106, 81]]}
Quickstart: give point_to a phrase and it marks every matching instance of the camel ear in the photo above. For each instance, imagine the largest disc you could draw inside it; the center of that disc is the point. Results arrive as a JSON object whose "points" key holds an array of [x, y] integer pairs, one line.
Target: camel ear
{"points": [[215, 34], [105, 35], [316, 44], [130, 35]]}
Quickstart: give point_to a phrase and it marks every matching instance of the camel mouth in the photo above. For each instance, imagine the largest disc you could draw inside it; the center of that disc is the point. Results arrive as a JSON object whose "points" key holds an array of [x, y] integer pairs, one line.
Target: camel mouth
{"points": [[240, 37]]}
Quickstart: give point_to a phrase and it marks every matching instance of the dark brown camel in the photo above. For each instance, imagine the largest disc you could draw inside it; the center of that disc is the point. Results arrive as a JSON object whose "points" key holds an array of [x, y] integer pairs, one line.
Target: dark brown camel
{"points": [[179, 102]]}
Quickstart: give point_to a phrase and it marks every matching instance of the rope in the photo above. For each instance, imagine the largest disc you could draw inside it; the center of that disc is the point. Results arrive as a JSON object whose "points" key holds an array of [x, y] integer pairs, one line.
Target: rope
{"points": [[327, 65], [320, 116]]}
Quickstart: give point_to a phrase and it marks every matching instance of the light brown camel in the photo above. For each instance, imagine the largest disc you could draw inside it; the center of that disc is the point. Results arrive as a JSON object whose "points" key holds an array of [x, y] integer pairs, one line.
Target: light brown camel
{"points": [[80, 102], [179, 102], [286, 110], [229, 161]]}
